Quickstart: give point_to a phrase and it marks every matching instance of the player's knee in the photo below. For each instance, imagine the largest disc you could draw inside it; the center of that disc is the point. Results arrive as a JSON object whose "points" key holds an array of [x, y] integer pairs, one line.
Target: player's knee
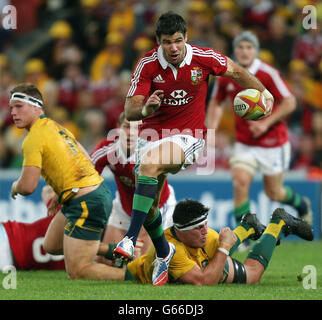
{"points": [[240, 184], [149, 170], [47, 246], [273, 194]]}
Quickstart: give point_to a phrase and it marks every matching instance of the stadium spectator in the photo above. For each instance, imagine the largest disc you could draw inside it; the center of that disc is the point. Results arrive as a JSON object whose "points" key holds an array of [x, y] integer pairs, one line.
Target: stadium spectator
{"points": [[116, 152], [28, 21], [122, 19], [52, 151], [112, 54], [279, 41], [105, 88], [94, 130], [256, 14], [7, 81], [61, 50], [6, 153], [261, 144], [36, 73], [151, 97], [307, 94], [89, 30], [304, 153], [203, 257], [308, 47], [70, 86]]}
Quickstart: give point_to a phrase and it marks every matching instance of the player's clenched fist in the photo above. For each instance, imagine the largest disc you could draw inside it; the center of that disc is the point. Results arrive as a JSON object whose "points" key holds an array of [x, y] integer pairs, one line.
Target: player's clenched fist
{"points": [[153, 103]]}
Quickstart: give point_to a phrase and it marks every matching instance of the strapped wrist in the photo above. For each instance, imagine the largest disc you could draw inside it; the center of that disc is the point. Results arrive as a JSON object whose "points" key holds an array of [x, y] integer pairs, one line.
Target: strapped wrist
{"points": [[267, 95], [223, 250]]}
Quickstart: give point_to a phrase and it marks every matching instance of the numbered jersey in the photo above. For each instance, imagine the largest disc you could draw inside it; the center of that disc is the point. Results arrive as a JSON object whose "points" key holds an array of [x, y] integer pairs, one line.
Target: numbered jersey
{"points": [[185, 88], [26, 240], [54, 150]]}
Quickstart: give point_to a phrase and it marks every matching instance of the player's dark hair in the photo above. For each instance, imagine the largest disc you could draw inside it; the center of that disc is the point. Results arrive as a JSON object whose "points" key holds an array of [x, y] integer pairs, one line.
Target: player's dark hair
{"points": [[188, 210], [29, 89], [170, 23]]}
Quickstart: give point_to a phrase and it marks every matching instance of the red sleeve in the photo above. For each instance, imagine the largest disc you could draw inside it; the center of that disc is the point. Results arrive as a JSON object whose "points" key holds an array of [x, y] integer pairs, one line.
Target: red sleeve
{"points": [[274, 82], [99, 156], [141, 78], [219, 63]]}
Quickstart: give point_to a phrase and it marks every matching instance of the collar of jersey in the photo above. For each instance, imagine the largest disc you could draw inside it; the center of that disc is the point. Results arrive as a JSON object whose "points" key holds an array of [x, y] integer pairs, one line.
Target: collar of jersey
{"points": [[253, 68], [187, 60], [42, 116]]}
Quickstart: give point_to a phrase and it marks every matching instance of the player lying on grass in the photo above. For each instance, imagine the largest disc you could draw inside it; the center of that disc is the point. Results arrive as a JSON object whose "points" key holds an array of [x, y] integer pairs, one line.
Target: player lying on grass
{"points": [[21, 243], [203, 257]]}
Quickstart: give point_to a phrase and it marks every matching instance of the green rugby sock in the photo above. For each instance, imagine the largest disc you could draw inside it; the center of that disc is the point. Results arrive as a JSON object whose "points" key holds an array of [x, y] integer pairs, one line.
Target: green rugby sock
{"points": [[242, 232], [263, 249], [295, 200], [143, 199], [241, 210], [154, 228]]}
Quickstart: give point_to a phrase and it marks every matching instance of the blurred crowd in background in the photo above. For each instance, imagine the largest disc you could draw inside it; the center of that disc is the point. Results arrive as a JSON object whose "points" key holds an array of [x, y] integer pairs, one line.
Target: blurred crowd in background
{"points": [[81, 54]]}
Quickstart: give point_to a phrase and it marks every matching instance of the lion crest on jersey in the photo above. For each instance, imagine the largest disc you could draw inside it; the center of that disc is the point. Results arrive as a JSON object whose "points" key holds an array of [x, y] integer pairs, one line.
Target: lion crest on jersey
{"points": [[196, 75]]}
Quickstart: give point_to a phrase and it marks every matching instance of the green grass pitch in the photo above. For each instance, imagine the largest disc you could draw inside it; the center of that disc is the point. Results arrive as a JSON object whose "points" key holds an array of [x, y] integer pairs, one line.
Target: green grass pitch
{"points": [[284, 279]]}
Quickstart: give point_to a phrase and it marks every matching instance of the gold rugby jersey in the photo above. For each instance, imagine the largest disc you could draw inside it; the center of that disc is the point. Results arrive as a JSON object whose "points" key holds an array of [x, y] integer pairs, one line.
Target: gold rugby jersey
{"points": [[184, 259], [54, 150]]}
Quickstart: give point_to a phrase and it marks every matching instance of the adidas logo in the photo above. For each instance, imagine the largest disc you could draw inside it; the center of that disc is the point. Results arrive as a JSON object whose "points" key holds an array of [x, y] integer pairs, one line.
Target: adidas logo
{"points": [[158, 79]]}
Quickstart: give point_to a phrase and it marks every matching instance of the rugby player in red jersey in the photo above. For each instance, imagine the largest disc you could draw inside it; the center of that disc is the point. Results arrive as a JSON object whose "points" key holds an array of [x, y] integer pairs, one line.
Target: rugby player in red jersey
{"points": [[117, 153], [21, 244], [168, 92], [262, 144]]}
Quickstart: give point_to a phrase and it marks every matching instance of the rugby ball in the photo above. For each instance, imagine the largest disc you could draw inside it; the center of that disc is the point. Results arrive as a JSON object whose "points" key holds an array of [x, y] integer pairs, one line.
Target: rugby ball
{"points": [[250, 104]]}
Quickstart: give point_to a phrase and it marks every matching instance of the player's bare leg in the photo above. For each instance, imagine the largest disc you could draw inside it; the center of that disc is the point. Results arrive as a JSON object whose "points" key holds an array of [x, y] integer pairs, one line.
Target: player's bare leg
{"points": [[273, 185], [277, 191], [54, 237], [168, 157], [79, 261], [242, 180]]}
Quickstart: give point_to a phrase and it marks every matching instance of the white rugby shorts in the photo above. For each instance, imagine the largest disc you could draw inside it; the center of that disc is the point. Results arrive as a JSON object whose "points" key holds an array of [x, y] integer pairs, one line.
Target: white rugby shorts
{"points": [[6, 258], [191, 146], [270, 161], [121, 220]]}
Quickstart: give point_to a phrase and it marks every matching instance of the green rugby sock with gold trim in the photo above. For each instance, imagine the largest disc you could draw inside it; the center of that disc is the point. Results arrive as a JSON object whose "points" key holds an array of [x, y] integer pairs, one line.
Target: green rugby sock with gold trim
{"points": [[263, 248]]}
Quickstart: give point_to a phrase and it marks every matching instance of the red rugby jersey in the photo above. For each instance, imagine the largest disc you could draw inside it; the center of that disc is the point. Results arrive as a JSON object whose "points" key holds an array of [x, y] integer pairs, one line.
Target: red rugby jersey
{"points": [[185, 89], [272, 80], [109, 153], [26, 241]]}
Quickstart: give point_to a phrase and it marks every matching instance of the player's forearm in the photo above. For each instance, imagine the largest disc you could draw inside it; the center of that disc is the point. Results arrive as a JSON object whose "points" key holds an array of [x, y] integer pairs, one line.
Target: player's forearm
{"points": [[133, 108], [21, 187], [213, 273], [284, 109], [242, 76]]}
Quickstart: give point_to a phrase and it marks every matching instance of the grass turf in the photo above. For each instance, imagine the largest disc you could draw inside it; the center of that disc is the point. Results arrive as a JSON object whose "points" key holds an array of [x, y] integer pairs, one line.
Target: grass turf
{"points": [[281, 281]]}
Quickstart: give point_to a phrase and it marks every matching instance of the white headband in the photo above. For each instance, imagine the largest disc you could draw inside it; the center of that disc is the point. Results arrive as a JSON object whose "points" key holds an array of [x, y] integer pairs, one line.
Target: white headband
{"points": [[192, 224], [26, 98]]}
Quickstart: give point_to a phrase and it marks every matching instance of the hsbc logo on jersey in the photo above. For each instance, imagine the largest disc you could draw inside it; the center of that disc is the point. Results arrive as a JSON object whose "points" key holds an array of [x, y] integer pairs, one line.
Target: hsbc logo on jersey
{"points": [[179, 98], [178, 94]]}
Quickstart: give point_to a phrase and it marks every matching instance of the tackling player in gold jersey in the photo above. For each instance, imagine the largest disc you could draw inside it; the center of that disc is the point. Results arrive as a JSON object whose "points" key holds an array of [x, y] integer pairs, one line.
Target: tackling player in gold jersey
{"points": [[53, 152]]}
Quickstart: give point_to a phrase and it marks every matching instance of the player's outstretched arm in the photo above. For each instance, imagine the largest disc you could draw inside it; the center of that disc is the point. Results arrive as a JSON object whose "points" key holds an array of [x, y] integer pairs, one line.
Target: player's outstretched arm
{"points": [[27, 183], [248, 81]]}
